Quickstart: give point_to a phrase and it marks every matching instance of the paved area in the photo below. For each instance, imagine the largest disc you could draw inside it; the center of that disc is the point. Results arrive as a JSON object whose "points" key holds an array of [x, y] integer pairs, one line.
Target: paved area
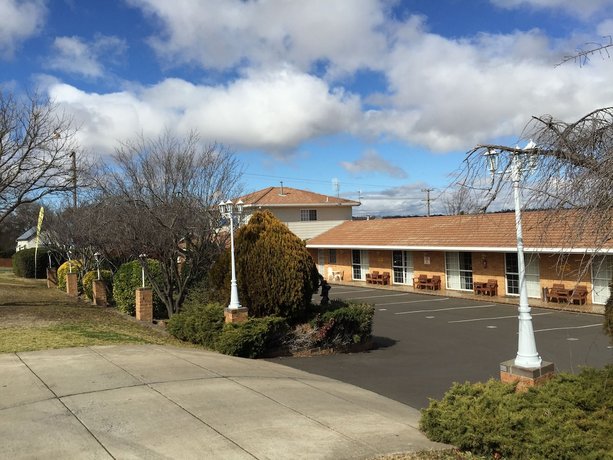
{"points": [[161, 402], [428, 342]]}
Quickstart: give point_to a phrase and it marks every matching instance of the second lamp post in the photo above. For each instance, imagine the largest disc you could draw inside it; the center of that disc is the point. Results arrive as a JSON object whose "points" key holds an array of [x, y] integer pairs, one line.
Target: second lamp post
{"points": [[231, 210]]}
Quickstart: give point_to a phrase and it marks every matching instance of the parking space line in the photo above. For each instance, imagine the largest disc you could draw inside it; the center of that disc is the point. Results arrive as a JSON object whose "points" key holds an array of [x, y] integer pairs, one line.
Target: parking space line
{"points": [[352, 292], [414, 301], [380, 295], [569, 327], [495, 317], [443, 309]]}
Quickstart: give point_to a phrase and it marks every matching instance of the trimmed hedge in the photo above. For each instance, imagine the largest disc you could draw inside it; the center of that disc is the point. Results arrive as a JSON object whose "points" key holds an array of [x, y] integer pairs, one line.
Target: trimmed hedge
{"points": [[568, 417], [252, 338], [23, 263], [198, 323], [125, 282], [344, 324], [65, 268], [88, 281]]}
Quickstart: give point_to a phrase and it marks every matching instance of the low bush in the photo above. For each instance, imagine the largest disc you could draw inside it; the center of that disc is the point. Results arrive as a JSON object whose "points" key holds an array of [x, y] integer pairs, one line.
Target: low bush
{"points": [[252, 338], [88, 281], [70, 266], [198, 323], [127, 279], [569, 416], [24, 263], [344, 324]]}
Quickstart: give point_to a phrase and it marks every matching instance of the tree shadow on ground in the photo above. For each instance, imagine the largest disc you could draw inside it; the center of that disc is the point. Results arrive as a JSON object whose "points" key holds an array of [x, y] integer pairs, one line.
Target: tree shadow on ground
{"points": [[382, 342]]}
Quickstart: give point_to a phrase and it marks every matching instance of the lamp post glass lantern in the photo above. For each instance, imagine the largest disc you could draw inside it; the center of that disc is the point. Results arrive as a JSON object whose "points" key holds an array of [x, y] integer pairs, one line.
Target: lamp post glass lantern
{"points": [[231, 210], [527, 356], [143, 258]]}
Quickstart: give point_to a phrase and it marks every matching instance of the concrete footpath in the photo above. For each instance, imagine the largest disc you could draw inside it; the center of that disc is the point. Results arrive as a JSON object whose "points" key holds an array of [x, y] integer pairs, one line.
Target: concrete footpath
{"points": [[149, 401]]}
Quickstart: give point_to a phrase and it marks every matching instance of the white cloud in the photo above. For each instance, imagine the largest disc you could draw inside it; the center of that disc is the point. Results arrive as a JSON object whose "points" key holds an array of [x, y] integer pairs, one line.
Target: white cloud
{"points": [[21, 19], [582, 8], [274, 111], [74, 55], [222, 34], [370, 162]]}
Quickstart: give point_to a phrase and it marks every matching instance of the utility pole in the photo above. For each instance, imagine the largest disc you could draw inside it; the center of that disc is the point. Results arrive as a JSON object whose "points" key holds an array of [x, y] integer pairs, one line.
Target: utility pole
{"points": [[427, 200], [74, 178]]}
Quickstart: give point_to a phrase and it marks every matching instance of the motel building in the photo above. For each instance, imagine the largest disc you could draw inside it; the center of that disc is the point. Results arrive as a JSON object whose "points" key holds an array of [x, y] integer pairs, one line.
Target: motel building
{"points": [[472, 255]]}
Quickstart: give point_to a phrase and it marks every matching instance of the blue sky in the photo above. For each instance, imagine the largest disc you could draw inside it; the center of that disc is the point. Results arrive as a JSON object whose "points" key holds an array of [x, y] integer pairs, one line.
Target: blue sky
{"points": [[383, 97]]}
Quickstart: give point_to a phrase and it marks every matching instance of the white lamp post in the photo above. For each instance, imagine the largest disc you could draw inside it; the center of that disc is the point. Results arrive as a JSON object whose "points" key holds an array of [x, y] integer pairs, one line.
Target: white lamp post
{"points": [[97, 257], [527, 356], [230, 210]]}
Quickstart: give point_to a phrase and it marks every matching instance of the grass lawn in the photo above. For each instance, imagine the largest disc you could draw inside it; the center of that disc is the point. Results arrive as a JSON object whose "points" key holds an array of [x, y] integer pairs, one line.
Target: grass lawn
{"points": [[33, 317]]}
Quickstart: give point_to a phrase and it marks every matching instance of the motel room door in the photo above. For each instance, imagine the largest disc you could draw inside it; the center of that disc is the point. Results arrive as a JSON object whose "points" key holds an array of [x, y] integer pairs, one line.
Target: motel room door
{"points": [[602, 273], [359, 264]]}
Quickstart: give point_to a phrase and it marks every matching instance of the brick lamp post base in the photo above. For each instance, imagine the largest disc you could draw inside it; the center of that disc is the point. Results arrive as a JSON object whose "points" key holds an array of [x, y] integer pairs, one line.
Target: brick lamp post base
{"points": [[236, 315], [525, 377]]}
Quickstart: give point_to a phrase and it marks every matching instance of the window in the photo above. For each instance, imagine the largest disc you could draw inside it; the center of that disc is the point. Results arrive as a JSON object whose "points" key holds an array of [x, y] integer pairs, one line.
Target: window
{"points": [[602, 273], [359, 263], [532, 274], [459, 270], [308, 214], [332, 256], [402, 264]]}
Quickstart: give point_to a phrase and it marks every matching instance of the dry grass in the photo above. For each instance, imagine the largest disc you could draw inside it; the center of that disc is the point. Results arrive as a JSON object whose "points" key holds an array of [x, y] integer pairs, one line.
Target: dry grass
{"points": [[33, 317], [449, 454]]}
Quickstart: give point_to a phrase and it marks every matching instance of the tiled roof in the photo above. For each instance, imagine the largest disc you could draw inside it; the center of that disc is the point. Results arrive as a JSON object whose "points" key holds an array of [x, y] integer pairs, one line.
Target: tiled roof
{"points": [[487, 231], [272, 196]]}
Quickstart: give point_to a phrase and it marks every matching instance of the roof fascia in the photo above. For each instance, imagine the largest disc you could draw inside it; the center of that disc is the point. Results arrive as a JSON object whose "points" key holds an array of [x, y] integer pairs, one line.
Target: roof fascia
{"points": [[460, 248]]}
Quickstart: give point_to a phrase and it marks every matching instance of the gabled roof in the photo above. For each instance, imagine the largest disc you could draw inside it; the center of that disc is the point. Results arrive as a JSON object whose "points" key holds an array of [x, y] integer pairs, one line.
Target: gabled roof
{"points": [[287, 196], [486, 232], [27, 235]]}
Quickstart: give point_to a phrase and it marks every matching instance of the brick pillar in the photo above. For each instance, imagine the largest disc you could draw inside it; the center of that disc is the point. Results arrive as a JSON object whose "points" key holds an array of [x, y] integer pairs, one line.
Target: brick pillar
{"points": [[71, 285], [51, 277], [144, 304], [236, 315], [99, 293], [524, 376]]}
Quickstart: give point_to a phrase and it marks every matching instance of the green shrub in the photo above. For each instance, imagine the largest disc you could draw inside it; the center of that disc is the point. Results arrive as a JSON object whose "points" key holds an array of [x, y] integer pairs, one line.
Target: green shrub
{"points": [[23, 263], [344, 324], [276, 274], [125, 282], [252, 338], [66, 267], [88, 281], [198, 323], [567, 417]]}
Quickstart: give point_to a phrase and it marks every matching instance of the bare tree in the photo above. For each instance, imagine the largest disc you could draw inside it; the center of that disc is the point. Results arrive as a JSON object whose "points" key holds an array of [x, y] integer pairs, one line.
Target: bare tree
{"points": [[458, 199], [569, 171], [583, 55], [37, 141], [160, 199]]}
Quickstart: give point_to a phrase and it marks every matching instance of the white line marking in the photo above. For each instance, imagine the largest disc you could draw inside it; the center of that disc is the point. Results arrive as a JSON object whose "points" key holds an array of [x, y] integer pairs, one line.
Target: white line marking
{"points": [[429, 317], [351, 292], [380, 295], [497, 317], [572, 339], [565, 328], [414, 301], [442, 309], [382, 309]]}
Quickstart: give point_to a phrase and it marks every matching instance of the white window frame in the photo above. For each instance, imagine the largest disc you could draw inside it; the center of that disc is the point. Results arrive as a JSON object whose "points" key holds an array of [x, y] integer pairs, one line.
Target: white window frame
{"points": [[362, 265], [405, 270], [602, 271], [533, 275], [453, 272]]}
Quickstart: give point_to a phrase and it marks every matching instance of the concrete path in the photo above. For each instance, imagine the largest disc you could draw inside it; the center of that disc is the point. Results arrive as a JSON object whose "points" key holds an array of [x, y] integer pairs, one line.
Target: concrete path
{"points": [[147, 401]]}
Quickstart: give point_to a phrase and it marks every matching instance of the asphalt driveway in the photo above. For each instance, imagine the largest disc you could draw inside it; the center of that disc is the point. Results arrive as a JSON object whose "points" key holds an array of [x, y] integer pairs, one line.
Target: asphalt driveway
{"points": [[425, 343]]}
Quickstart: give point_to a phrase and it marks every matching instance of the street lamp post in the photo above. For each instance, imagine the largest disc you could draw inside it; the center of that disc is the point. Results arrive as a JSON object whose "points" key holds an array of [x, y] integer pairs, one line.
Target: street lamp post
{"points": [[527, 356], [97, 257], [230, 210]]}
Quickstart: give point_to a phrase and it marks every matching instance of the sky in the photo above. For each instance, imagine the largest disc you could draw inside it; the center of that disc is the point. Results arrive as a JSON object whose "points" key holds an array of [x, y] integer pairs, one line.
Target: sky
{"points": [[366, 99]]}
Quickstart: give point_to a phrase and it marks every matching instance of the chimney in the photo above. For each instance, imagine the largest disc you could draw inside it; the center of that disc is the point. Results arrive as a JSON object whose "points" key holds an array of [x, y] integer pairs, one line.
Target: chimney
{"points": [[282, 193]]}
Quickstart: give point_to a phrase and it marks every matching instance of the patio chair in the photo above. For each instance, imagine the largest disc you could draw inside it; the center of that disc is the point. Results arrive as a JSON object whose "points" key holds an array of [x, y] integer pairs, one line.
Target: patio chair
{"points": [[557, 292], [420, 282], [372, 278], [579, 294], [384, 278], [434, 283], [491, 288]]}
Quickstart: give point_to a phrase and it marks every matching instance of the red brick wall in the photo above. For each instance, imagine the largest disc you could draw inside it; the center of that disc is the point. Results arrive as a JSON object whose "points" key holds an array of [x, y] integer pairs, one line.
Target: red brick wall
{"points": [[6, 263]]}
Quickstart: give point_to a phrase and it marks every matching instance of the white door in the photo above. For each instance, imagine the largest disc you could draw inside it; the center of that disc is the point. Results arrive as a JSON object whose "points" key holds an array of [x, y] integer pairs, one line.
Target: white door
{"points": [[320, 261], [533, 283], [602, 274], [359, 264], [402, 266], [459, 271]]}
